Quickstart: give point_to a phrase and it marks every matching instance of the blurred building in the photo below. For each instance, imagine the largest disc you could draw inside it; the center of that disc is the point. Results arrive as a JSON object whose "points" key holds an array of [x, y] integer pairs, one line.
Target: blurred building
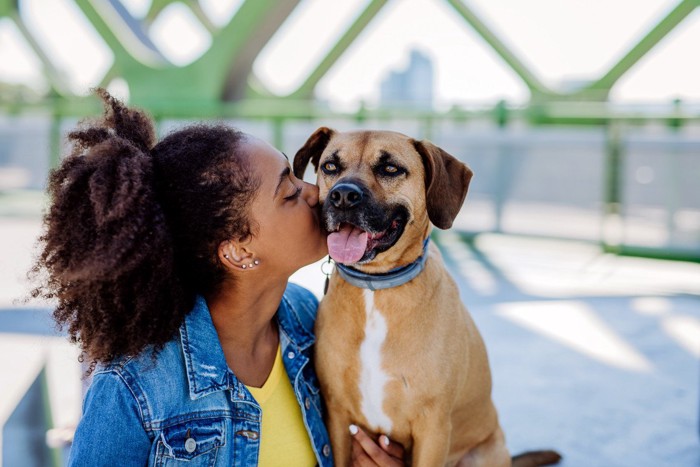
{"points": [[411, 87]]}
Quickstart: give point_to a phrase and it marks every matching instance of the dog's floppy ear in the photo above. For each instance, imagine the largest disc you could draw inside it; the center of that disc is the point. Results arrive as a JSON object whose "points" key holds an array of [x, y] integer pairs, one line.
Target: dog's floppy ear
{"points": [[312, 150], [446, 183]]}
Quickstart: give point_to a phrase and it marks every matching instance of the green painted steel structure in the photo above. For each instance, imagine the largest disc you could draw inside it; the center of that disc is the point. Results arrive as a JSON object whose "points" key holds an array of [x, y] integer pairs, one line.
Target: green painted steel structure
{"points": [[220, 74], [597, 90], [224, 73]]}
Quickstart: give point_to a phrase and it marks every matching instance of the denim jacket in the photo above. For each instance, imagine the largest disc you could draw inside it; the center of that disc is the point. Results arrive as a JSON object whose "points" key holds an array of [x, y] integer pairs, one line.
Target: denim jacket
{"points": [[186, 407]]}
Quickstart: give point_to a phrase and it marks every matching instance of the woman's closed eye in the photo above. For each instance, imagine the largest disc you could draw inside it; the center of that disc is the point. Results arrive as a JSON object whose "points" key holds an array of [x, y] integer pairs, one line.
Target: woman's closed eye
{"points": [[294, 195]]}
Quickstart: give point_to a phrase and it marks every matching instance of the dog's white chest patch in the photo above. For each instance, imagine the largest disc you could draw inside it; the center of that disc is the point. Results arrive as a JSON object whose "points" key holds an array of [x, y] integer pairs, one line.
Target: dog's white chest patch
{"points": [[373, 378]]}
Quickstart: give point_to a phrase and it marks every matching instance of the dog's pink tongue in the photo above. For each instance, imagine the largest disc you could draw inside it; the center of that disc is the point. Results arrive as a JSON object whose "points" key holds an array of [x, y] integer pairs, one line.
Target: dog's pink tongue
{"points": [[347, 245]]}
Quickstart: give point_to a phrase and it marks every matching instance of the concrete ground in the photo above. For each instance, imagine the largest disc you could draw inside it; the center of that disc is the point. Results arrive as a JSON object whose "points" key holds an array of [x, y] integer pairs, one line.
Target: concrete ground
{"points": [[592, 354]]}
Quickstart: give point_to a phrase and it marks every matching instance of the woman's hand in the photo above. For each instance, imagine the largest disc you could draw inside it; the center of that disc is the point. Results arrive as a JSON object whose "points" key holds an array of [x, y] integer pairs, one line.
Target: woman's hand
{"points": [[365, 452]]}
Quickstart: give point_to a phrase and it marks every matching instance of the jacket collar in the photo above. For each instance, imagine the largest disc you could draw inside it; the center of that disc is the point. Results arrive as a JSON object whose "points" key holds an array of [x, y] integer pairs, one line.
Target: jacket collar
{"points": [[291, 324], [205, 363]]}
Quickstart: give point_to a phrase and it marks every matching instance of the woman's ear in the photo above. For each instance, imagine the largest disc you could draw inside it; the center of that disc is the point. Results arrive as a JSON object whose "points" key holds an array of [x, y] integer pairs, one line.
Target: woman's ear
{"points": [[446, 183], [311, 151], [236, 253]]}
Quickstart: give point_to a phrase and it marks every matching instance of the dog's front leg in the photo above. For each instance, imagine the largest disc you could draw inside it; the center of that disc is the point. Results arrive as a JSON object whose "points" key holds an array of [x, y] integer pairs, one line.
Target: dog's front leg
{"points": [[431, 442], [338, 426]]}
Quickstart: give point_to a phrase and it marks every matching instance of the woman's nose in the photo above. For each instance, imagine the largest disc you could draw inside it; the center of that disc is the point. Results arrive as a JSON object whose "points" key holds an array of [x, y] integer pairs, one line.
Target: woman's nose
{"points": [[310, 194]]}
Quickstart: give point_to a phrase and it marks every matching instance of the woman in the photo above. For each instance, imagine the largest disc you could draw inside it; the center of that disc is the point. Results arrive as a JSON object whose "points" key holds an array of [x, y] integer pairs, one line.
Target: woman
{"points": [[169, 263]]}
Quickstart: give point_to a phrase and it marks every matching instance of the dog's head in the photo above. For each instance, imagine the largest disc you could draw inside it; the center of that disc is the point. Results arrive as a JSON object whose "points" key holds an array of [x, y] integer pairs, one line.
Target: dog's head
{"points": [[380, 191]]}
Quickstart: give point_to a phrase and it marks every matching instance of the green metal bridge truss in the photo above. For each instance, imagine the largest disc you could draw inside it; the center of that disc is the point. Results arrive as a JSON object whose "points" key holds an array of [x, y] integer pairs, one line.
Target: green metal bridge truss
{"points": [[224, 73], [221, 82]]}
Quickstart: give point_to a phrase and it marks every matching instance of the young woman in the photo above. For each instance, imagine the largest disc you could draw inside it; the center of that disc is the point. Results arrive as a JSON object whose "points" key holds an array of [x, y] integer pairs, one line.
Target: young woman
{"points": [[169, 265]]}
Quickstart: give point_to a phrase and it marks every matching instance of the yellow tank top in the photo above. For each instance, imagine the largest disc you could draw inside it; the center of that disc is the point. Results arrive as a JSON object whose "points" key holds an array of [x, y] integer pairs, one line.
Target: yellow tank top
{"points": [[284, 440]]}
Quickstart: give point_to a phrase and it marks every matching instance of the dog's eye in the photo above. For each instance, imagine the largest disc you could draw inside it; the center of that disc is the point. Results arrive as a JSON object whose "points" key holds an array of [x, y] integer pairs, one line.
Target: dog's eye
{"points": [[391, 170], [329, 168]]}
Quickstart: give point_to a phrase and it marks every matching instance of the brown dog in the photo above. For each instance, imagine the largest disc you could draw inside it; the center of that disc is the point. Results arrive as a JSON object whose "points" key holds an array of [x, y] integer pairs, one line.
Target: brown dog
{"points": [[397, 351]]}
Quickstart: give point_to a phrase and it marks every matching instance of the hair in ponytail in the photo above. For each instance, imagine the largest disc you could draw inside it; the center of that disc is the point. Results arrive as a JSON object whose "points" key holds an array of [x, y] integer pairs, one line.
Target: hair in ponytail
{"points": [[132, 229]]}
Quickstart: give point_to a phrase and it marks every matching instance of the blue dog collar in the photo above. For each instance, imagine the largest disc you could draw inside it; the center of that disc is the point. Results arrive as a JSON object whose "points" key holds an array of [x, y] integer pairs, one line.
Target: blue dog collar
{"points": [[387, 280]]}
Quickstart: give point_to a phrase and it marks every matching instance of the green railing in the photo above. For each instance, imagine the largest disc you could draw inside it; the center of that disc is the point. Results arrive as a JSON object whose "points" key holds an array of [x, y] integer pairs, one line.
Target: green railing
{"points": [[614, 126]]}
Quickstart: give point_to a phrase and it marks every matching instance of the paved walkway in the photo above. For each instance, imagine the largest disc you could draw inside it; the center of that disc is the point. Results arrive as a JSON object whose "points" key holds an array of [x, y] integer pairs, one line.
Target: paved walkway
{"points": [[592, 354]]}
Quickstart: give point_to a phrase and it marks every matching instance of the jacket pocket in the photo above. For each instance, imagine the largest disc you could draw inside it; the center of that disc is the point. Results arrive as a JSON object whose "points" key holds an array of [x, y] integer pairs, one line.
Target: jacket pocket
{"points": [[193, 443]]}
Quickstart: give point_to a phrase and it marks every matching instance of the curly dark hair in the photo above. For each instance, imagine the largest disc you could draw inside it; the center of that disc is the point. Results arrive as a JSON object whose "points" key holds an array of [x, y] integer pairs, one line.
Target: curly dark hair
{"points": [[132, 230]]}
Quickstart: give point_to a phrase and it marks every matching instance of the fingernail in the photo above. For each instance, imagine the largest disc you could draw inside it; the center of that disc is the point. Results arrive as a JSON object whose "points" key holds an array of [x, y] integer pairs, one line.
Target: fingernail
{"points": [[385, 440], [353, 429]]}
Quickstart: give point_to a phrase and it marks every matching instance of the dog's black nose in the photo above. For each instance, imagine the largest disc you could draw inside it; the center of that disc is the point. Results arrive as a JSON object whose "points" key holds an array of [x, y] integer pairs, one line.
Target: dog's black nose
{"points": [[345, 195]]}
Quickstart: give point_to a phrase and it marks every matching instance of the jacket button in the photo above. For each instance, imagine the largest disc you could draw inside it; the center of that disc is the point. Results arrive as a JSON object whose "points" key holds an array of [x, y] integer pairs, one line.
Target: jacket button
{"points": [[307, 403], [326, 450], [291, 355], [190, 445]]}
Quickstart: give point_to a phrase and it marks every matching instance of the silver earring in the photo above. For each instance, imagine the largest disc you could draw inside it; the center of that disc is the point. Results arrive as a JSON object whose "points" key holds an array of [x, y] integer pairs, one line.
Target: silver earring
{"points": [[243, 266], [226, 256]]}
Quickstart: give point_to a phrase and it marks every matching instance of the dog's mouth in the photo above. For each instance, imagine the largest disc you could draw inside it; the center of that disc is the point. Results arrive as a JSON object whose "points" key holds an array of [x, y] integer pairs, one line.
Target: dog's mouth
{"points": [[350, 244]]}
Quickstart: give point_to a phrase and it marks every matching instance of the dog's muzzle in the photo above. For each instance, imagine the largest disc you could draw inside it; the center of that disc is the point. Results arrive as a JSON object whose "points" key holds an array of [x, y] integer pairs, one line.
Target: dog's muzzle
{"points": [[359, 226]]}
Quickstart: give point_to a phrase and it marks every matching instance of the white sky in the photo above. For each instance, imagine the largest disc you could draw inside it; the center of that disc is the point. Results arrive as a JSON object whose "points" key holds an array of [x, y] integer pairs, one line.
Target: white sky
{"points": [[561, 41]]}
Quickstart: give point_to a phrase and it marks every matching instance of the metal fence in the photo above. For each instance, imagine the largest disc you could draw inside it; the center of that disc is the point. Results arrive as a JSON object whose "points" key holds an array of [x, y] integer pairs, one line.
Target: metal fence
{"points": [[629, 183]]}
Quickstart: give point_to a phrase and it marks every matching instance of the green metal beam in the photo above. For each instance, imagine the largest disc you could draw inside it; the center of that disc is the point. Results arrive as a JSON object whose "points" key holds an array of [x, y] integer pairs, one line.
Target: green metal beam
{"points": [[653, 37], [236, 47], [55, 78], [222, 72], [306, 90], [106, 21], [196, 8], [157, 7], [7, 7], [536, 87]]}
